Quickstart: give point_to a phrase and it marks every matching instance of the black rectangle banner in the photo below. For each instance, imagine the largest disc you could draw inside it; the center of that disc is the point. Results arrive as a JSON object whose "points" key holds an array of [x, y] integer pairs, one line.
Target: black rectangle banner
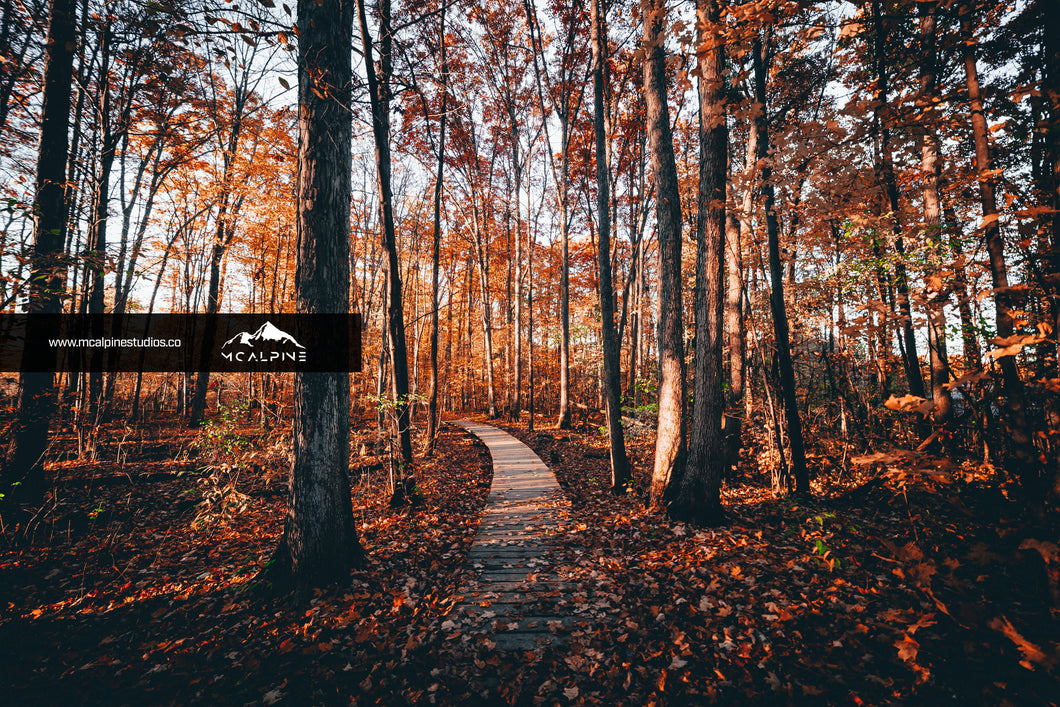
{"points": [[180, 342]]}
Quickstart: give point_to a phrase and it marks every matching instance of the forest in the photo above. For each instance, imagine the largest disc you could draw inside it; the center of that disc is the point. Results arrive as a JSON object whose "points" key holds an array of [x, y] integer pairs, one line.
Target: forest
{"points": [[561, 352]]}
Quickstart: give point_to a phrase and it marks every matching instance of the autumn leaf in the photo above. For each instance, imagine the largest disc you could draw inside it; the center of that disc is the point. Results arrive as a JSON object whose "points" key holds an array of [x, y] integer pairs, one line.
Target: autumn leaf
{"points": [[1031, 652], [1012, 345], [850, 29], [907, 648], [272, 697], [972, 377], [909, 403]]}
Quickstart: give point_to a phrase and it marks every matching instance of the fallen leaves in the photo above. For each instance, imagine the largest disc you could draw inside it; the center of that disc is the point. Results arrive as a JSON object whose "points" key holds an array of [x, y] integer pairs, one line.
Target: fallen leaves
{"points": [[175, 596], [831, 602], [1031, 652]]}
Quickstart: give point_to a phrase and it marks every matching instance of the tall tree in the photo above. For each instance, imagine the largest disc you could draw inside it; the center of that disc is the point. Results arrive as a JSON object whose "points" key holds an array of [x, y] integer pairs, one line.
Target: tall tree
{"points": [[436, 239], [670, 450], [931, 169], [889, 199], [762, 53], [319, 543], [621, 477], [696, 495], [566, 92], [23, 473], [379, 97], [230, 120], [735, 255], [1023, 443]]}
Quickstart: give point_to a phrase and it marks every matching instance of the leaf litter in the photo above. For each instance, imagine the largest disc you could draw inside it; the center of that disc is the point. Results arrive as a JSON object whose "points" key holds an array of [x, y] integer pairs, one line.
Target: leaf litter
{"points": [[891, 586]]}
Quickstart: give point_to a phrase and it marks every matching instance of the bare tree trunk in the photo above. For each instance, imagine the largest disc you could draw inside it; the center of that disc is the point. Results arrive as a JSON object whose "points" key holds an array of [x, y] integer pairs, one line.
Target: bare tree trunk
{"points": [[1049, 179], [697, 494], [517, 329], [97, 229], [530, 324], [379, 93], [890, 188], [1022, 442], [23, 472], [319, 544], [224, 231], [973, 359], [621, 477], [734, 250], [734, 324], [929, 165], [670, 450], [432, 405], [801, 476], [1049, 173], [563, 418], [565, 108]]}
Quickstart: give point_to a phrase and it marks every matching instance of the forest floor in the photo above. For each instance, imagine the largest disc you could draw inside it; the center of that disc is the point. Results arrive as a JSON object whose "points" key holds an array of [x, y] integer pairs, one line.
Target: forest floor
{"points": [[905, 580]]}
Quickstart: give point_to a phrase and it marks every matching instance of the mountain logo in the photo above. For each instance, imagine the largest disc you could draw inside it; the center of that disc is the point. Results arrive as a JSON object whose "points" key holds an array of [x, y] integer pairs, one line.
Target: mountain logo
{"points": [[269, 344]]}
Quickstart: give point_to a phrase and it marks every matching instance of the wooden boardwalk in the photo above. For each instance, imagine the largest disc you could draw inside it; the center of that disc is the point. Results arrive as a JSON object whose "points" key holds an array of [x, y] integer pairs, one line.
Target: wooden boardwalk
{"points": [[510, 591]]}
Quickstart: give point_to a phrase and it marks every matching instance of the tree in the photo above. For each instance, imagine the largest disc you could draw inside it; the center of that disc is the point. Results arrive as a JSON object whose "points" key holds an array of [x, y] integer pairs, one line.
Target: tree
{"points": [[889, 200], [670, 450], [621, 477], [379, 98], [566, 93], [432, 404], [761, 55], [696, 495], [319, 543], [230, 120], [936, 294], [1023, 444], [23, 475]]}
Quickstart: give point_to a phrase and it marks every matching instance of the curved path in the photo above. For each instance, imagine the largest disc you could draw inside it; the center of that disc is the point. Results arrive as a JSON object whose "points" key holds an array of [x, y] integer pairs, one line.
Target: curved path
{"points": [[510, 590]]}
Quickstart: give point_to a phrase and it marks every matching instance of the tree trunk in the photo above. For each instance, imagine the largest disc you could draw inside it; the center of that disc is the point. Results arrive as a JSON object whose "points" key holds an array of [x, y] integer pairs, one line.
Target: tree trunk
{"points": [[890, 195], [563, 418], [530, 324], [1049, 181], [23, 472], [432, 405], [379, 94], [929, 165], [319, 543], [734, 325], [973, 359], [786, 370], [224, 231], [734, 318], [697, 494], [621, 477], [487, 330], [97, 229], [1022, 442], [1049, 187], [670, 451], [565, 111], [517, 329]]}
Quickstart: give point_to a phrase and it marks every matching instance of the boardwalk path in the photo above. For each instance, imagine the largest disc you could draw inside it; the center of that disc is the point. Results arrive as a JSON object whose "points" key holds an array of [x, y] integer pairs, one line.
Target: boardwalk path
{"points": [[510, 590]]}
